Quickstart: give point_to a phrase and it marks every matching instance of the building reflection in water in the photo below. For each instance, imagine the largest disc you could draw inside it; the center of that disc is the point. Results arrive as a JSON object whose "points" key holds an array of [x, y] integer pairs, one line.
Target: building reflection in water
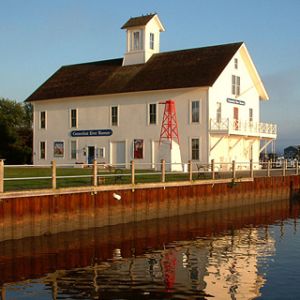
{"points": [[210, 254]]}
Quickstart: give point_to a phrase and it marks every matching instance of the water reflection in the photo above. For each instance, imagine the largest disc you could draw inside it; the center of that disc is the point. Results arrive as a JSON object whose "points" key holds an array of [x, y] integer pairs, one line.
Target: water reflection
{"points": [[215, 254]]}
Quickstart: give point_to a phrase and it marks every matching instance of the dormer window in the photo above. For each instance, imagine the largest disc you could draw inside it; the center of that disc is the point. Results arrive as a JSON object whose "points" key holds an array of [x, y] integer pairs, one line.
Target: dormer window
{"points": [[152, 41]]}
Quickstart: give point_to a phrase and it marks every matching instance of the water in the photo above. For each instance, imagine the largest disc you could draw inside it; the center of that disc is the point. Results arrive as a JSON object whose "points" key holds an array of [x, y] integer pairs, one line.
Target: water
{"points": [[243, 253]]}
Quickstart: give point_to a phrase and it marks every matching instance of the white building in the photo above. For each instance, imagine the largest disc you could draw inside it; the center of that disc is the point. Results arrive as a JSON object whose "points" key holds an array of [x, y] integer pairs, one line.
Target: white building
{"points": [[109, 110]]}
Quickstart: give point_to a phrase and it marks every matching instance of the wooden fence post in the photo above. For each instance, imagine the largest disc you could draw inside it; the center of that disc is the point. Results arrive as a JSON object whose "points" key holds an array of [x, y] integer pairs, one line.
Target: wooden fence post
{"points": [[284, 167], [163, 170], [251, 169], [269, 168], [190, 170], [213, 169], [95, 172], [233, 170], [297, 167], [53, 167], [132, 172], [1, 175], [3, 293]]}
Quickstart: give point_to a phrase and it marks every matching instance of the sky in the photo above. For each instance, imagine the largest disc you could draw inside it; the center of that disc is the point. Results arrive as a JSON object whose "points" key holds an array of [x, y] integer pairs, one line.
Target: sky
{"points": [[37, 37]]}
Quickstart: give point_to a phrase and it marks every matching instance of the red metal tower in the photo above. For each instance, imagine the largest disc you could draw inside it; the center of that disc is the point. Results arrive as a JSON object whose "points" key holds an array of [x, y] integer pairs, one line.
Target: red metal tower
{"points": [[169, 126]]}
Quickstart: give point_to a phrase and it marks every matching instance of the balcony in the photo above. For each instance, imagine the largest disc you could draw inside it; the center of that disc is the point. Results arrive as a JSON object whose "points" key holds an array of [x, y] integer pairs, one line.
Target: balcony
{"points": [[244, 128]]}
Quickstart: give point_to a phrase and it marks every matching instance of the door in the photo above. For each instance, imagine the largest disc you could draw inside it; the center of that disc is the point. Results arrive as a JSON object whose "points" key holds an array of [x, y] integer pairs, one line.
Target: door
{"points": [[236, 118], [118, 154], [155, 158], [91, 154]]}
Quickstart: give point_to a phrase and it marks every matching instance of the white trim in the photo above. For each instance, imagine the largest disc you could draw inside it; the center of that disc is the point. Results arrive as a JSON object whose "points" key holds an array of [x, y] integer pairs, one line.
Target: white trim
{"points": [[253, 73], [110, 151], [206, 118], [91, 97], [34, 150], [127, 165], [152, 147]]}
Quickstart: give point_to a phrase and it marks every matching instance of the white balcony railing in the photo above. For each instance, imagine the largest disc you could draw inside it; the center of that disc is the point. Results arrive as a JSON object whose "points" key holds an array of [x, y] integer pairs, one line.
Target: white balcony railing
{"points": [[231, 126]]}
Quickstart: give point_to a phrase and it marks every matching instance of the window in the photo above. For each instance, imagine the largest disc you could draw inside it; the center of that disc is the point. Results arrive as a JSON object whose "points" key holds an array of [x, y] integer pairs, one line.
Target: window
{"points": [[219, 112], [152, 41], [136, 40], [114, 116], [43, 120], [251, 115], [152, 113], [236, 63], [42, 150], [195, 111], [73, 118], [235, 88], [101, 152], [73, 149], [195, 149]]}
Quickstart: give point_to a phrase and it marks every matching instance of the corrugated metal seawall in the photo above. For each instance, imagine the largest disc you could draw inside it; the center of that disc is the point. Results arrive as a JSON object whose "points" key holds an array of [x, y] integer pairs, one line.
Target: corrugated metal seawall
{"points": [[34, 257], [38, 215]]}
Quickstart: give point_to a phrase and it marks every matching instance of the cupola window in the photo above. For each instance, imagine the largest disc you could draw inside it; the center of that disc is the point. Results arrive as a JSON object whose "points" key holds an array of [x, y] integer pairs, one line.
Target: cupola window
{"points": [[137, 40], [152, 41]]}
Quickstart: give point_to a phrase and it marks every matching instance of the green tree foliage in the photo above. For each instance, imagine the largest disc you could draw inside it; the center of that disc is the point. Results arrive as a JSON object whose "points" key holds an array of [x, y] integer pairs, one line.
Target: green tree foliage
{"points": [[15, 132]]}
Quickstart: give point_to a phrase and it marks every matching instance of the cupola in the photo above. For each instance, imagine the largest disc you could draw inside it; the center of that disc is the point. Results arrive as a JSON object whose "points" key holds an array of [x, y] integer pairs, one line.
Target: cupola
{"points": [[142, 38]]}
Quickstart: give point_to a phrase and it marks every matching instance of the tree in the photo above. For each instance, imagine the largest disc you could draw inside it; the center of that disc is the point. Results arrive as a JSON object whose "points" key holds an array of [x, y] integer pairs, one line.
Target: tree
{"points": [[15, 131]]}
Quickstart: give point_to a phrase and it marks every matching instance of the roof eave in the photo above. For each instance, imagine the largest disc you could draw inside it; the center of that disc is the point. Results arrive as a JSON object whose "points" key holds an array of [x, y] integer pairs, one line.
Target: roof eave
{"points": [[206, 87], [155, 16], [263, 95], [161, 26]]}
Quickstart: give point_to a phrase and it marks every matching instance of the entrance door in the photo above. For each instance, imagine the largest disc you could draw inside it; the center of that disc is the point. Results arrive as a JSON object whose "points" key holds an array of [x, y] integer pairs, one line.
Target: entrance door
{"points": [[236, 118], [155, 158], [118, 154], [91, 154]]}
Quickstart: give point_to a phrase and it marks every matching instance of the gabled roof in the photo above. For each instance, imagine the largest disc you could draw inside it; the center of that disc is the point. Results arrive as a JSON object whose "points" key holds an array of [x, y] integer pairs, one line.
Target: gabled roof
{"points": [[198, 67], [258, 84], [138, 21]]}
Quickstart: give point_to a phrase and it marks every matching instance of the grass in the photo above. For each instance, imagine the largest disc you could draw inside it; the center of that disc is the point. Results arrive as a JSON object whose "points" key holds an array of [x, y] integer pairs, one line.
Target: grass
{"points": [[117, 176], [25, 172]]}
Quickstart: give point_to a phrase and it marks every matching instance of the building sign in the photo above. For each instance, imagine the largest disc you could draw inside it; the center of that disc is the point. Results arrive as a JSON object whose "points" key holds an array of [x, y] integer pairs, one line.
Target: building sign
{"points": [[235, 101], [92, 132]]}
